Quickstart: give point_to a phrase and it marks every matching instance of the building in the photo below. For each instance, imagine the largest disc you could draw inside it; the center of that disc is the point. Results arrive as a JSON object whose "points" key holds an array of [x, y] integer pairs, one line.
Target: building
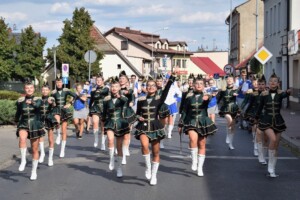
{"points": [[149, 53], [220, 58], [242, 29]]}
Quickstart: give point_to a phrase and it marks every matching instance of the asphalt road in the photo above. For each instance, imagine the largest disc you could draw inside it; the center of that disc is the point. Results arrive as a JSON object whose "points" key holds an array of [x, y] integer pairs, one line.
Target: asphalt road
{"points": [[228, 174]]}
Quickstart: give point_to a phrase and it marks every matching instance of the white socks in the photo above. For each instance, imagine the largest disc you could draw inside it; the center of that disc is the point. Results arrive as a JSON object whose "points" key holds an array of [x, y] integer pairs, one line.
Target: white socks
{"points": [[58, 137], [33, 171], [50, 159], [124, 155], [103, 138], [148, 166], [111, 158], [23, 159], [272, 163], [201, 159], [153, 180], [170, 129], [161, 144], [230, 136], [62, 149], [228, 131], [119, 167], [42, 152], [96, 138], [194, 153]]}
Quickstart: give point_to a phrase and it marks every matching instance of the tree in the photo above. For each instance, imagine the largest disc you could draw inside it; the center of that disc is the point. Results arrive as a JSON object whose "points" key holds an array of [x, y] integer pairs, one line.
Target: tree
{"points": [[7, 47], [30, 62], [74, 42]]}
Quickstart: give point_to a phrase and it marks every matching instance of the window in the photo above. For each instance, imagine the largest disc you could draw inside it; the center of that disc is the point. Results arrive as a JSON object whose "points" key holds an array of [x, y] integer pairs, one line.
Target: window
{"points": [[183, 63], [267, 24], [119, 66], [178, 63], [274, 21], [124, 45], [271, 22]]}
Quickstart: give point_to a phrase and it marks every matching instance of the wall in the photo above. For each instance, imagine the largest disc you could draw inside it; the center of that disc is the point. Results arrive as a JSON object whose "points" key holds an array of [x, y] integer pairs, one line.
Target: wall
{"points": [[220, 58]]}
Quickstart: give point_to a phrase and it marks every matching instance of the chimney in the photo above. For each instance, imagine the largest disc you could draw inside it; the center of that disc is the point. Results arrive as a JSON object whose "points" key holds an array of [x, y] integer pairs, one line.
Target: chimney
{"points": [[127, 28]]}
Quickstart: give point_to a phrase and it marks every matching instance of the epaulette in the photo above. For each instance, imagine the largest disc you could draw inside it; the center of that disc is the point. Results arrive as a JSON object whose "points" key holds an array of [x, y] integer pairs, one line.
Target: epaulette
{"points": [[264, 93], [142, 98], [54, 91], [21, 99], [107, 98], [249, 91], [235, 88], [157, 97], [189, 94], [51, 98], [66, 89], [279, 91], [124, 97], [36, 98], [94, 89]]}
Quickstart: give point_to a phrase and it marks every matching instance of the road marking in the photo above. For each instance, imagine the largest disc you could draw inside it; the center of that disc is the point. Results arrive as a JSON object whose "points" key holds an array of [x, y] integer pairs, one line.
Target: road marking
{"points": [[232, 157]]}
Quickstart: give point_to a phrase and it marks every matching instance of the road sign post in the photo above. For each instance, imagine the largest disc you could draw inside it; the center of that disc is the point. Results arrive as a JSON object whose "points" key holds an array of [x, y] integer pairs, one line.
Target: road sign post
{"points": [[90, 56]]}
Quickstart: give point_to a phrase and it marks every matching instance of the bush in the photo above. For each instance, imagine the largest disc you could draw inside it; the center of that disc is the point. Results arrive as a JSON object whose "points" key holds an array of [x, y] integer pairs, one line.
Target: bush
{"points": [[7, 111], [9, 95]]}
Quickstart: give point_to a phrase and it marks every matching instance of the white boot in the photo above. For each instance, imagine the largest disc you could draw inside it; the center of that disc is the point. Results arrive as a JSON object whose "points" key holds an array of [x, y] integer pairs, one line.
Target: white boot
{"points": [[194, 153], [148, 166], [96, 139], [33, 171], [228, 131], [153, 180], [42, 152], [272, 163], [161, 144], [170, 129], [119, 167], [62, 149], [58, 137], [230, 141], [50, 159], [103, 138], [265, 155], [124, 155], [111, 158], [260, 153], [23, 159], [127, 153], [201, 159], [255, 151]]}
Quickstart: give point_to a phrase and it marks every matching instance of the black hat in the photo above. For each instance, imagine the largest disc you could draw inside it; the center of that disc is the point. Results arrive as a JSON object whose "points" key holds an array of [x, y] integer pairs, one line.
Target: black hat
{"points": [[230, 75], [58, 77], [114, 80], [122, 73], [191, 76], [100, 75], [199, 77], [262, 79], [45, 84], [28, 81], [150, 78], [274, 75], [159, 76]]}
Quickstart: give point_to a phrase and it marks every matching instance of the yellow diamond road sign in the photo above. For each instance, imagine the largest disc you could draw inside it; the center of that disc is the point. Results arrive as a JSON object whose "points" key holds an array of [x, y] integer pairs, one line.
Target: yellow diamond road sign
{"points": [[263, 55]]}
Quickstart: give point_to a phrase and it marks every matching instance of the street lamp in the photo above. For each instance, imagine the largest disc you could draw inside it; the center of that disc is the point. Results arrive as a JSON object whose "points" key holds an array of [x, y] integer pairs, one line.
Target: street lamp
{"points": [[152, 58]]}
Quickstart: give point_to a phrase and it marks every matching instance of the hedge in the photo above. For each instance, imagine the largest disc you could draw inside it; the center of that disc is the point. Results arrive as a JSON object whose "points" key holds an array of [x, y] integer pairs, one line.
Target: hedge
{"points": [[9, 95], [7, 111]]}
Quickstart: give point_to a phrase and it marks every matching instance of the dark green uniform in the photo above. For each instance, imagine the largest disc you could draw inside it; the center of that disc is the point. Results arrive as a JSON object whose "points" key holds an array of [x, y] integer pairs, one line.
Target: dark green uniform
{"points": [[253, 99], [113, 115], [271, 118], [229, 105], [28, 117], [46, 113], [60, 96], [96, 102], [129, 113], [194, 115], [184, 94]]}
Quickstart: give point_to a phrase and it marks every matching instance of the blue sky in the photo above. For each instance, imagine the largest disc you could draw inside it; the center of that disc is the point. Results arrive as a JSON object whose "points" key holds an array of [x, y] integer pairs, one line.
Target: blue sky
{"points": [[195, 21]]}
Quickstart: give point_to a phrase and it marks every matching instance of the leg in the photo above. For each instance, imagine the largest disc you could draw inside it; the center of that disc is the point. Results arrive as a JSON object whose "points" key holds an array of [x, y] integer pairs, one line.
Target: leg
{"points": [[255, 151], [23, 148], [146, 154], [111, 144], [95, 129], [231, 127], [120, 156], [155, 163], [35, 157], [64, 139], [77, 128], [272, 151], [194, 148], [51, 147], [170, 126], [42, 150], [260, 148], [81, 127], [58, 130], [201, 155]]}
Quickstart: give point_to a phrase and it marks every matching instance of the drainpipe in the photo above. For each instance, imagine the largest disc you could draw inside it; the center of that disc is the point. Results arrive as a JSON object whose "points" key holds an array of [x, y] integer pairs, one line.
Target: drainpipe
{"points": [[288, 58]]}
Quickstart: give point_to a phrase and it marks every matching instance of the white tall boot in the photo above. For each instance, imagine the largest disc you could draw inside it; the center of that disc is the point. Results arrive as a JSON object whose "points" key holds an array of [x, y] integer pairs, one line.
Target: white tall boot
{"points": [[231, 141], [161, 144], [261, 158], [119, 167], [62, 149], [103, 139], [255, 150], [33, 171], [58, 136], [194, 153], [148, 166], [50, 158], [23, 159], [228, 131], [201, 159], [153, 180], [265, 154], [111, 158], [96, 137], [272, 163], [124, 155], [170, 129], [127, 153], [42, 152]]}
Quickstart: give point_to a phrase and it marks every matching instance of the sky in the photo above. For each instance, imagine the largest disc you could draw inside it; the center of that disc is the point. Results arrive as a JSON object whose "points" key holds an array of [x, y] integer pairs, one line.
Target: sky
{"points": [[198, 22]]}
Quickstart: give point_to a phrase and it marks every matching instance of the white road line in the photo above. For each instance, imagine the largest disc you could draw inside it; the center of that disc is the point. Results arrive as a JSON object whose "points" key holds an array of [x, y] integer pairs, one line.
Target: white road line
{"points": [[232, 157]]}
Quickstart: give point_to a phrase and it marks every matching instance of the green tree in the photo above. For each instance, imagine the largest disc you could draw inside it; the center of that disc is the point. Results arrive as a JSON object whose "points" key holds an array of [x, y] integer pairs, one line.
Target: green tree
{"points": [[7, 47], [256, 66], [30, 62], [74, 42]]}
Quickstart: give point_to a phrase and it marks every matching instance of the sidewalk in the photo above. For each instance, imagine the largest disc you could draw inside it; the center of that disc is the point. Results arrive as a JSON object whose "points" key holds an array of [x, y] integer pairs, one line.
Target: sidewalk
{"points": [[292, 134]]}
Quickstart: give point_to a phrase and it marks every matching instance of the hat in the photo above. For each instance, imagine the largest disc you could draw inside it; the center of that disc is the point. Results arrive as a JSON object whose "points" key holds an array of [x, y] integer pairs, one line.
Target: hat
{"points": [[199, 77], [28, 81], [58, 77], [159, 76], [122, 73], [114, 80], [274, 75], [191, 76], [262, 79], [45, 84]]}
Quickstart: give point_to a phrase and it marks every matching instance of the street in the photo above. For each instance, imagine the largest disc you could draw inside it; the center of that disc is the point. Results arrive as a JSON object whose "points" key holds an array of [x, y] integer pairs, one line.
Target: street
{"points": [[84, 173]]}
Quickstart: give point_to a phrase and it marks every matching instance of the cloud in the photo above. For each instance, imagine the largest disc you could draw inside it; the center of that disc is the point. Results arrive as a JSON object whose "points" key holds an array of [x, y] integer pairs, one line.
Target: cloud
{"points": [[61, 8], [14, 16], [110, 2], [47, 26], [204, 17], [150, 10]]}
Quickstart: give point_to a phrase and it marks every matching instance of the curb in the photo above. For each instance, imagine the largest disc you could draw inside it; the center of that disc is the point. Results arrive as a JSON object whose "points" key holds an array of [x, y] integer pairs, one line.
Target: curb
{"points": [[291, 143]]}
